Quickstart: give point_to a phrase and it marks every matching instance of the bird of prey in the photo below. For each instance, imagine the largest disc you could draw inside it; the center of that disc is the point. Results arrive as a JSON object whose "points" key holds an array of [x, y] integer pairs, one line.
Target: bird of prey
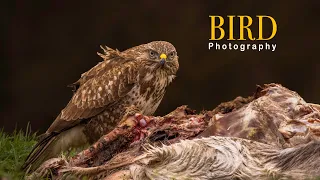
{"points": [[135, 77]]}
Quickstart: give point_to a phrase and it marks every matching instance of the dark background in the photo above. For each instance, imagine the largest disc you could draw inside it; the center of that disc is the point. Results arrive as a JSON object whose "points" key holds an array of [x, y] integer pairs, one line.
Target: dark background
{"points": [[48, 44]]}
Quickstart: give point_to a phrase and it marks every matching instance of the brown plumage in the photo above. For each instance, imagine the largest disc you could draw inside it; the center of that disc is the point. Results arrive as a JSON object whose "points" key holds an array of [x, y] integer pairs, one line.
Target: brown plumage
{"points": [[137, 76]]}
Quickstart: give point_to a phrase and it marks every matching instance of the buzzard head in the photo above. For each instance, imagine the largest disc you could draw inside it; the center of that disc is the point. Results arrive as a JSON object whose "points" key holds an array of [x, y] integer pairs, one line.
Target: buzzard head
{"points": [[158, 56]]}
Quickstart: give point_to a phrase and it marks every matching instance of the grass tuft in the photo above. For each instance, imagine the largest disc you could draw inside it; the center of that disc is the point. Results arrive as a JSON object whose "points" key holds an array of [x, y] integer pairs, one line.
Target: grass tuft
{"points": [[14, 149]]}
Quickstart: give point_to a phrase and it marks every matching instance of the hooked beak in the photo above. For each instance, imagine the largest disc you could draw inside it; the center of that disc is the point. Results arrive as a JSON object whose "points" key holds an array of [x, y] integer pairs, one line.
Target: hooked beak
{"points": [[163, 58], [162, 61]]}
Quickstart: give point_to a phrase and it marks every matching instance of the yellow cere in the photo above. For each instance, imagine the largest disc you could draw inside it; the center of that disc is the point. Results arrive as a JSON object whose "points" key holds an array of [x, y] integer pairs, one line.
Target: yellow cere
{"points": [[163, 56]]}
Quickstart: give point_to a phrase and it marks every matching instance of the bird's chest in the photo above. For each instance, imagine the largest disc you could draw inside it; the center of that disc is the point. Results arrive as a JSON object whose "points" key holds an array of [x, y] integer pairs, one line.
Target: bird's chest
{"points": [[148, 94]]}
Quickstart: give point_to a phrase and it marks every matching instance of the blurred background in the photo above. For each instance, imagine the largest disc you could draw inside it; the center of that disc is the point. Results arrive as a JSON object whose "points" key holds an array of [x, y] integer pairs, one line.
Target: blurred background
{"points": [[48, 44]]}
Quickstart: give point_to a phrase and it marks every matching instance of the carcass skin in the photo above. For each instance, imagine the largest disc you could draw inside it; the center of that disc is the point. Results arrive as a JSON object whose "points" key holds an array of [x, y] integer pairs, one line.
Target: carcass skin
{"points": [[275, 116], [274, 133]]}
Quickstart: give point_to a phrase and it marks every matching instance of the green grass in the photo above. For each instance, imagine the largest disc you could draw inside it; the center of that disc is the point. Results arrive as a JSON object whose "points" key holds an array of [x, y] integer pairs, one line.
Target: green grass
{"points": [[14, 148]]}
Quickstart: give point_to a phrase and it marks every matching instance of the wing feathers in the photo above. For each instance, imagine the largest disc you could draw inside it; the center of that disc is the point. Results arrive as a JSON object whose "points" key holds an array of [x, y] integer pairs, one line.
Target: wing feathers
{"points": [[104, 84]]}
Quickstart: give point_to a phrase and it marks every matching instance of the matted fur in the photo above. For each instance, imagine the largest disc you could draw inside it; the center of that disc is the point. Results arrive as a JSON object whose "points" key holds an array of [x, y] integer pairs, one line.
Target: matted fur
{"points": [[227, 158], [211, 158]]}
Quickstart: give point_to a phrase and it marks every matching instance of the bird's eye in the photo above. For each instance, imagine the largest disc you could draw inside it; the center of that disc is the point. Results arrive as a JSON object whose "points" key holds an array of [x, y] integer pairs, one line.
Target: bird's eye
{"points": [[171, 55], [152, 54]]}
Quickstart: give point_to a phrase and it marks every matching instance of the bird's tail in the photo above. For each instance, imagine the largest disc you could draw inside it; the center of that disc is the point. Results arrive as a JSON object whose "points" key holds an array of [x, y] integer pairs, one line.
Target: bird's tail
{"points": [[41, 152]]}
